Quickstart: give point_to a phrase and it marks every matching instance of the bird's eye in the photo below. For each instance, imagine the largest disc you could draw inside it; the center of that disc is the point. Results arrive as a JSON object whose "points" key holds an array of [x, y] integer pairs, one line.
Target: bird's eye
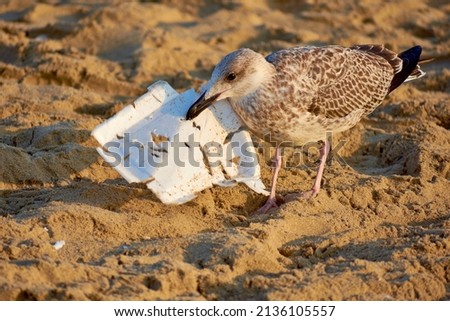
{"points": [[231, 76]]}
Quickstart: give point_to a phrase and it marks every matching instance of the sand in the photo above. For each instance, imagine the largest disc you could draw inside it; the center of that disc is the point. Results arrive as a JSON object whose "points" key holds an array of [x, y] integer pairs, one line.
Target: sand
{"points": [[379, 229]]}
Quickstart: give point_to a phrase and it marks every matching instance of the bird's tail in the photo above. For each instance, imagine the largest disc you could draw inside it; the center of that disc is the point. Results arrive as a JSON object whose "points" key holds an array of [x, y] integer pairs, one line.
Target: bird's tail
{"points": [[410, 67], [418, 73]]}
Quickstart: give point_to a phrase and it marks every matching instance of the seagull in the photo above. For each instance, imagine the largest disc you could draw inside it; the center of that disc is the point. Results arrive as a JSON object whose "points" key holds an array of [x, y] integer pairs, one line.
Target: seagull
{"points": [[301, 94]]}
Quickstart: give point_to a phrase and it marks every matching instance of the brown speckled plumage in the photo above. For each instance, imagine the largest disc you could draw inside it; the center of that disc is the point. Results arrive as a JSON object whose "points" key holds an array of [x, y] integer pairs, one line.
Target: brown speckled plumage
{"points": [[317, 90], [301, 94]]}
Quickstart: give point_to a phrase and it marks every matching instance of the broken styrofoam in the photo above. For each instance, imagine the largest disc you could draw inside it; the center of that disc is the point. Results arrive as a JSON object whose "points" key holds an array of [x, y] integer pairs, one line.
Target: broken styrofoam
{"points": [[150, 141], [59, 244]]}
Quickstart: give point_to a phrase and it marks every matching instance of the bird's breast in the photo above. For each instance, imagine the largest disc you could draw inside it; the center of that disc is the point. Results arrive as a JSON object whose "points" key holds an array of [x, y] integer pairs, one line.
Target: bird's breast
{"points": [[278, 122], [288, 120]]}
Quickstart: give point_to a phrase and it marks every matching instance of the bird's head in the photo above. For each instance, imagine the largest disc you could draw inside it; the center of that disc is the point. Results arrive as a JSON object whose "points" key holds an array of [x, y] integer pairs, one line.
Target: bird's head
{"points": [[237, 74]]}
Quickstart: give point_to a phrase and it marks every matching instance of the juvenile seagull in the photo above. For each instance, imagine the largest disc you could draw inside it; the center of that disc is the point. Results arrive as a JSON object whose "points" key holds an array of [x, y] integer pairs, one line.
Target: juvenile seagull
{"points": [[300, 94]]}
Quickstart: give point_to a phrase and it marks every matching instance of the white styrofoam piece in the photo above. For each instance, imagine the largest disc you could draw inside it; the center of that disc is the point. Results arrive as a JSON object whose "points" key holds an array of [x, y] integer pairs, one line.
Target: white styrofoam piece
{"points": [[192, 155], [59, 244]]}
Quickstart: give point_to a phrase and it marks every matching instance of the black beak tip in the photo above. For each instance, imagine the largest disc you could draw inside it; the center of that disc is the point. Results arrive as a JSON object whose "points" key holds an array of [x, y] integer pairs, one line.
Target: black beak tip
{"points": [[190, 114], [199, 105]]}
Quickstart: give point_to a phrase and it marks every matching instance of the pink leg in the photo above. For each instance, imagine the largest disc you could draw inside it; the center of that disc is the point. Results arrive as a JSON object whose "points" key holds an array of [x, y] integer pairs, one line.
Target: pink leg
{"points": [[271, 201], [324, 151]]}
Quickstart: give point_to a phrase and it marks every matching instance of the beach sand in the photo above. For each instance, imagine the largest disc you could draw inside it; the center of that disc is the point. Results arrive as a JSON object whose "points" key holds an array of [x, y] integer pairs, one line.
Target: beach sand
{"points": [[379, 229]]}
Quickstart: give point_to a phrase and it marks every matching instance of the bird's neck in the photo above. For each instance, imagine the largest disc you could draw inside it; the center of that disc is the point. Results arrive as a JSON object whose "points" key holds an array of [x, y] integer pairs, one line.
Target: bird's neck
{"points": [[256, 93], [260, 76]]}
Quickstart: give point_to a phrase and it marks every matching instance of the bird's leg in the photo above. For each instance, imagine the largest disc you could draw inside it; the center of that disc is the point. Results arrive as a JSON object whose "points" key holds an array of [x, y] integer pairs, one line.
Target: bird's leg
{"points": [[324, 151], [271, 201]]}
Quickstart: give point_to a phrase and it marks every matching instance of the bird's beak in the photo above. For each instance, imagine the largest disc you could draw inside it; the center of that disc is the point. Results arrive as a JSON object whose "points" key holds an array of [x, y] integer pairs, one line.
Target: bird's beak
{"points": [[200, 105]]}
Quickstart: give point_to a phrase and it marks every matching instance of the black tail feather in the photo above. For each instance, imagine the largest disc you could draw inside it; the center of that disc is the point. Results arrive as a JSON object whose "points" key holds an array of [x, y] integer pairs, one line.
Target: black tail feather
{"points": [[410, 59]]}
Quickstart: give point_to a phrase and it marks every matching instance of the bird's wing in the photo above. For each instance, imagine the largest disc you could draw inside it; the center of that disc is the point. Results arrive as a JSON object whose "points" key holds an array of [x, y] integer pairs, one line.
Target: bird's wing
{"points": [[338, 80], [351, 79]]}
